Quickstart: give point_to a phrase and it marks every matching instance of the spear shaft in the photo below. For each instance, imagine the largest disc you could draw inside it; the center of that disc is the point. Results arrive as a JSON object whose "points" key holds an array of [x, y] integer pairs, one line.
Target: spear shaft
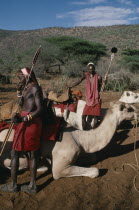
{"points": [[113, 50]]}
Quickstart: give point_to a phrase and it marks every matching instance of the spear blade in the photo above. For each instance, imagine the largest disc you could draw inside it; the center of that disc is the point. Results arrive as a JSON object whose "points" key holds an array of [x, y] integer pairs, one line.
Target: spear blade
{"points": [[36, 55]]}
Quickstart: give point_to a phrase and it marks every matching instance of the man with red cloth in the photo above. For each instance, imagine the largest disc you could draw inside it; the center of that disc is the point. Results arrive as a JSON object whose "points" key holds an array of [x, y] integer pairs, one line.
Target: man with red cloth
{"points": [[92, 108], [28, 132]]}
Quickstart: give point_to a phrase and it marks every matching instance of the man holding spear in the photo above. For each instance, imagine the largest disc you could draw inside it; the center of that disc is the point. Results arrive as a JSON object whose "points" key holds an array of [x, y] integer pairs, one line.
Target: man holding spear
{"points": [[28, 132], [94, 85], [92, 108]]}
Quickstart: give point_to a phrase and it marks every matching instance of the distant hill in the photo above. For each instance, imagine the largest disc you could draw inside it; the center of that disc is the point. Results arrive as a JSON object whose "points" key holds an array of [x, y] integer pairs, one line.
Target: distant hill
{"points": [[120, 36], [15, 43]]}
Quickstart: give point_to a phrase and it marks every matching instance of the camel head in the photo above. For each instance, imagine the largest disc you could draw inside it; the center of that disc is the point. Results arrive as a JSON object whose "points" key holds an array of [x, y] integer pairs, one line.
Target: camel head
{"points": [[124, 111], [129, 97]]}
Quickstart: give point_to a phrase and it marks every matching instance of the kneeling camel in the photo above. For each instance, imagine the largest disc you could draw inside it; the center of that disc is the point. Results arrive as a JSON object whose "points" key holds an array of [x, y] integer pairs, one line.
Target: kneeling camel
{"points": [[65, 153]]}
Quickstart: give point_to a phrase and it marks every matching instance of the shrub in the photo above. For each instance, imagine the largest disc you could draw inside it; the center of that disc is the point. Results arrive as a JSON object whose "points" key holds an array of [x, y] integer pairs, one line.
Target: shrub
{"points": [[59, 85], [130, 60], [120, 81], [104, 63], [72, 69]]}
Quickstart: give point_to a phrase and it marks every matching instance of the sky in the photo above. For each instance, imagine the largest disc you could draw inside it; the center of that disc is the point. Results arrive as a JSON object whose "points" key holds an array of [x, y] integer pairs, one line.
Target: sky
{"points": [[38, 14]]}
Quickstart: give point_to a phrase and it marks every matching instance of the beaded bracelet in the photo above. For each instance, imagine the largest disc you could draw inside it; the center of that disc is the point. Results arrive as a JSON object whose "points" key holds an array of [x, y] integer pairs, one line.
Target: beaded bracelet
{"points": [[29, 117]]}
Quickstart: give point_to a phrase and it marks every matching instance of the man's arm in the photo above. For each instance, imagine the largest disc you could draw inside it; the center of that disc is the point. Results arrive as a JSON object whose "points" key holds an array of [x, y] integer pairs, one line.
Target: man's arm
{"points": [[77, 82], [99, 82], [38, 96]]}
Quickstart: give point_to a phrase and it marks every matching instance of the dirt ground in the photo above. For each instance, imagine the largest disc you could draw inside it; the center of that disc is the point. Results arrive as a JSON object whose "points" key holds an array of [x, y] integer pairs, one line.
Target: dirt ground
{"points": [[110, 191]]}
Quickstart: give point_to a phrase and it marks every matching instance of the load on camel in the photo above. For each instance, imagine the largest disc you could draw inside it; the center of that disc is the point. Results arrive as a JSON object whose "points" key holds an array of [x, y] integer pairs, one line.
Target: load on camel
{"points": [[64, 154], [70, 106]]}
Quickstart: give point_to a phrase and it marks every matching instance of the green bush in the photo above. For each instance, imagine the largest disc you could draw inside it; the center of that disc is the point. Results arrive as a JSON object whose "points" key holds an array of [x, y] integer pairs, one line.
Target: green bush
{"points": [[120, 81], [130, 60]]}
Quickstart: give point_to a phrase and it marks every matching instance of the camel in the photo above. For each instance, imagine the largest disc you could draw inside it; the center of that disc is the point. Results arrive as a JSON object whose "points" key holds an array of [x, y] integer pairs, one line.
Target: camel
{"points": [[64, 154]]}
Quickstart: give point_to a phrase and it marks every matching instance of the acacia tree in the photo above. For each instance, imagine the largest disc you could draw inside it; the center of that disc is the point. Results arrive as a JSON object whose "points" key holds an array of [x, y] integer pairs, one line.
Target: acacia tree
{"points": [[57, 54], [63, 49], [130, 59]]}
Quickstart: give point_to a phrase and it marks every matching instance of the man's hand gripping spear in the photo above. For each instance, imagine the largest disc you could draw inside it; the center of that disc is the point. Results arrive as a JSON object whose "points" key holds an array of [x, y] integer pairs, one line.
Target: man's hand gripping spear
{"points": [[12, 124]]}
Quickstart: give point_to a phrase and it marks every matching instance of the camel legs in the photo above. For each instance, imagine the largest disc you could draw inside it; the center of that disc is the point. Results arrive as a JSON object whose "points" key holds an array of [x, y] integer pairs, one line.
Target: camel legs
{"points": [[59, 170]]}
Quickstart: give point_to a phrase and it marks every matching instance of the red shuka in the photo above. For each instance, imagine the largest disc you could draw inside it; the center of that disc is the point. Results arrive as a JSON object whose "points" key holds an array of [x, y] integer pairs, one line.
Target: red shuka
{"points": [[93, 105], [71, 107], [92, 110], [27, 134], [50, 131]]}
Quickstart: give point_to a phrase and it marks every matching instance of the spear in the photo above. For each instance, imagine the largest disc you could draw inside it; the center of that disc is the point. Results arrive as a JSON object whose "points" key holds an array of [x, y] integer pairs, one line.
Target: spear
{"points": [[113, 50], [12, 124]]}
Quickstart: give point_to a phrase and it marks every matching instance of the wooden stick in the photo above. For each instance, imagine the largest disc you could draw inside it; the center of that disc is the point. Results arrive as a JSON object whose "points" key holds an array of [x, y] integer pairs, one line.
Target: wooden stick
{"points": [[6, 138], [106, 74]]}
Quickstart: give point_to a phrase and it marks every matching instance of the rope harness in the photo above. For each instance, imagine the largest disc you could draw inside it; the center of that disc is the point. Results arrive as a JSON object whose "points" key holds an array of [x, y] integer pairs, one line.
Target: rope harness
{"points": [[136, 165]]}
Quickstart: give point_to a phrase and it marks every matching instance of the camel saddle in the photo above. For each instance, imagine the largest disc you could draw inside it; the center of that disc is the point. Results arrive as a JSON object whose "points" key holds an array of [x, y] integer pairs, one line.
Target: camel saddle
{"points": [[58, 98], [65, 96]]}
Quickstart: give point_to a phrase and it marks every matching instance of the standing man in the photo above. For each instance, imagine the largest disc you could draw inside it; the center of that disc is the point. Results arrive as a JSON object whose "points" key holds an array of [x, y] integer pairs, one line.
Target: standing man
{"points": [[92, 108], [28, 132]]}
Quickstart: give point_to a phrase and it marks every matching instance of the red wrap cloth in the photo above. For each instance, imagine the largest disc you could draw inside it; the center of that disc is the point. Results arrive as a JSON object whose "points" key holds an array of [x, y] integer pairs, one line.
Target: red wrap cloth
{"points": [[50, 131], [92, 110], [71, 107], [27, 134], [93, 105], [5, 125]]}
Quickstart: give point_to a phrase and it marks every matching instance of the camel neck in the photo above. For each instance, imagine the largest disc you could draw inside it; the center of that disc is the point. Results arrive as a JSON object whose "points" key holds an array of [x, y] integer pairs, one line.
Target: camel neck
{"points": [[96, 139]]}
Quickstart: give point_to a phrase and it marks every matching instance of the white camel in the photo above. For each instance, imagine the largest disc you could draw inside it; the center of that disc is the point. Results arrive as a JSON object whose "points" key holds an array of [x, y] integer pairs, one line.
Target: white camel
{"points": [[74, 142]]}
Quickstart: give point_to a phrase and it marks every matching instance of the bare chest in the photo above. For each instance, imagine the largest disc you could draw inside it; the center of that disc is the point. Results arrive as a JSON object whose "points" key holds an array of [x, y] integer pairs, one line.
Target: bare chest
{"points": [[28, 95]]}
